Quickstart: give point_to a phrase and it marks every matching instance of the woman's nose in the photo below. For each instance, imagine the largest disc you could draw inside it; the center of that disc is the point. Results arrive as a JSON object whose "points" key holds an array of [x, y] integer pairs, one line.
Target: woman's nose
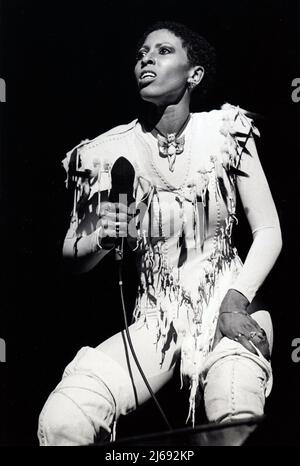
{"points": [[148, 58]]}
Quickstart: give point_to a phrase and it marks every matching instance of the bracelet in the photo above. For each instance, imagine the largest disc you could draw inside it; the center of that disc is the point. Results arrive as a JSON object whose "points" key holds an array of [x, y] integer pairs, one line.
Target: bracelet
{"points": [[98, 240], [245, 313]]}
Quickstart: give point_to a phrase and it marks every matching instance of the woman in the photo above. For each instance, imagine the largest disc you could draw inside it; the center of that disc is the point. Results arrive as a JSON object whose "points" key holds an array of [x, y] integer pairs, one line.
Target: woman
{"points": [[194, 293]]}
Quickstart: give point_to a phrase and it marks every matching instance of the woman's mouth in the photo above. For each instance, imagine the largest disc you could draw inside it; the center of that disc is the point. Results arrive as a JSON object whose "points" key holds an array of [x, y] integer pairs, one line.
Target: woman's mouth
{"points": [[147, 76]]}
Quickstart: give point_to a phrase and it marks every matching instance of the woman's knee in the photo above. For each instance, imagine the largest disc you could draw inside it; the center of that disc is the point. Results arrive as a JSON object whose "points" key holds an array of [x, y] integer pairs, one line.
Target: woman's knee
{"points": [[63, 423], [80, 409], [234, 388], [93, 393]]}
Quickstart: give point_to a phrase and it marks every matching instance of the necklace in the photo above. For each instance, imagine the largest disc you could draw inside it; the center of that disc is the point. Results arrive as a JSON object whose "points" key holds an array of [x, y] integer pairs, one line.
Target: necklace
{"points": [[170, 145], [148, 144]]}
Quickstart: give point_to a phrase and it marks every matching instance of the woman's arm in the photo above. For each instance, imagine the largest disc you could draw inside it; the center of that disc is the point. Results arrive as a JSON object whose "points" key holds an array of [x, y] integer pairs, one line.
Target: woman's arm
{"points": [[234, 321], [262, 216], [83, 251]]}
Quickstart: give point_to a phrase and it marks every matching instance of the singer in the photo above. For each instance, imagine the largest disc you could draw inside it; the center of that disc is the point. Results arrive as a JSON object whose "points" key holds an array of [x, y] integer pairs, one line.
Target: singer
{"points": [[168, 182]]}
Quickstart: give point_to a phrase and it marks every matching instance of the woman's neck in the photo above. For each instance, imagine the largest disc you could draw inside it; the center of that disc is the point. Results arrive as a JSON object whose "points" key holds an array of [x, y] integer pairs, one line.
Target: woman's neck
{"points": [[169, 119]]}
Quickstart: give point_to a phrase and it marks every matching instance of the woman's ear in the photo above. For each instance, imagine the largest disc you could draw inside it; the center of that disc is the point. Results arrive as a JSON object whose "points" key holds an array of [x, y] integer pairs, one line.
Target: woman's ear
{"points": [[196, 75]]}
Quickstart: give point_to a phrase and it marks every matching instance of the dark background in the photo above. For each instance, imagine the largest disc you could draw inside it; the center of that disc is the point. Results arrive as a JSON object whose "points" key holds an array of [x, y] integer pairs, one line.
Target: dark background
{"points": [[68, 69]]}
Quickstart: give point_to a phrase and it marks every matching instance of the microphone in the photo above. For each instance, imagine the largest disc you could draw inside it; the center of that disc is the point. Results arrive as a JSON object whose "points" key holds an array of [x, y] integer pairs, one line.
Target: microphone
{"points": [[122, 180], [122, 183]]}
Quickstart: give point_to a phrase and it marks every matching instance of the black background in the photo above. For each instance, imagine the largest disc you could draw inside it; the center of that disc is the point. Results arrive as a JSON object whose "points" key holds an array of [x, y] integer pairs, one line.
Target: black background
{"points": [[68, 70]]}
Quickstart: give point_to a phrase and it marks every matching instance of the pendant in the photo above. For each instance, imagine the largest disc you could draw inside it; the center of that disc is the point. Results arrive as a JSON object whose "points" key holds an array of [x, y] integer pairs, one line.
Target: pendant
{"points": [[171, 157], [170, 147]]}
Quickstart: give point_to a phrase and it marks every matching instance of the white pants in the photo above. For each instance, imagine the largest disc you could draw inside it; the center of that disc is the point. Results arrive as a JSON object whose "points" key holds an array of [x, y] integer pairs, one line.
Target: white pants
{"points": [[102, 383]]}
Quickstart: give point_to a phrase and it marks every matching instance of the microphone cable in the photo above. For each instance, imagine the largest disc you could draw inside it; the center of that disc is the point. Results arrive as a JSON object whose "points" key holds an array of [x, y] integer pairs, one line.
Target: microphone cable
{"points": [[119, 260]]}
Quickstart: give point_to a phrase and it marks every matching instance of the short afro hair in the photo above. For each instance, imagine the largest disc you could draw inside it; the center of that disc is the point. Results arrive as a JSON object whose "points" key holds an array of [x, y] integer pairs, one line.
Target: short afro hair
{"points": [[199, 50]]}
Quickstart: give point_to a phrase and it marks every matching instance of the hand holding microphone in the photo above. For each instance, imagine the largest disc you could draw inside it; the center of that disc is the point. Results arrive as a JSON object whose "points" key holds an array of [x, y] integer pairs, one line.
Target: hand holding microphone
{"points": [[114, 216], [113, 221]]}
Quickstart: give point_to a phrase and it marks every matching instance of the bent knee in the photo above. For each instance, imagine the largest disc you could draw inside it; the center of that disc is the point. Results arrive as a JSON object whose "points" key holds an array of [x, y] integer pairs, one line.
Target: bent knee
{"points": [[63, 423], [234, 388]]}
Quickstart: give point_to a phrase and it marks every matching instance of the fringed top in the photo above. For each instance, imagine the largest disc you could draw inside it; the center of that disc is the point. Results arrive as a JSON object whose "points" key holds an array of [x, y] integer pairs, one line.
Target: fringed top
{"points": [[183, 226]]}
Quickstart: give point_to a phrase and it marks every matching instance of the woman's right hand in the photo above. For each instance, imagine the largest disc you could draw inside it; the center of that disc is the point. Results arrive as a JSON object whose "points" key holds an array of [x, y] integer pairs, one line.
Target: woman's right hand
{"points": [[113, 222]]}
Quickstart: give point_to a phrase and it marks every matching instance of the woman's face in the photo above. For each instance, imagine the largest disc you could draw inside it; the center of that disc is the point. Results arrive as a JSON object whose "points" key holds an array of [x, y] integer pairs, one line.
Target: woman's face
{"points": [[162, 68]]}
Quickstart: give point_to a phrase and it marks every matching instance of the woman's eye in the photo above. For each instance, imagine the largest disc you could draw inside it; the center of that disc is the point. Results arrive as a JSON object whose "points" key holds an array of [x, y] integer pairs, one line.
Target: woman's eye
{"points": [[140, 54], [164, 50]]}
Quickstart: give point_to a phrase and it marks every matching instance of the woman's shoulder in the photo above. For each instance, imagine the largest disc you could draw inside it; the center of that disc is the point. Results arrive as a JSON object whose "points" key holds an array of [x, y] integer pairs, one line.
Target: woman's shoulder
{"points": [[113, 134], [225, 132], [104, 148], [228, 115]]}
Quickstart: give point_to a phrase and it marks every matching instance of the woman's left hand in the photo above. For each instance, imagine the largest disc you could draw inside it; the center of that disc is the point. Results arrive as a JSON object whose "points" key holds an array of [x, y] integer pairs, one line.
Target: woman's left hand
{"points": [[235, 323]]}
